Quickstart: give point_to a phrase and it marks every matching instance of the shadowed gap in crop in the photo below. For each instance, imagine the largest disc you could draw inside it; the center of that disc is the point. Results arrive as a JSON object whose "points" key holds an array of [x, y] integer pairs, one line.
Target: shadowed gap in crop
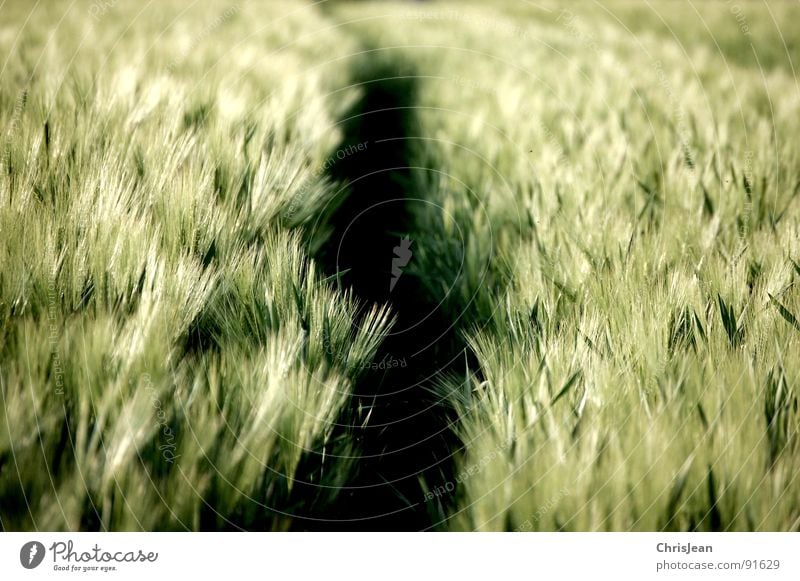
{"points": [[402, 430]]}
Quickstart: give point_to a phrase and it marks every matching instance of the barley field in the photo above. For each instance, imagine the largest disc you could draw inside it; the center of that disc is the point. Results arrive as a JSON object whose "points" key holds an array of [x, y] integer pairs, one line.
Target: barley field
{"points": [[344, 265]]}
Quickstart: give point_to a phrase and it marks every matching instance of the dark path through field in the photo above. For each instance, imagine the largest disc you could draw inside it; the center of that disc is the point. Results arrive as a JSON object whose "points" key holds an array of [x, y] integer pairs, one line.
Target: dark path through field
{"points": [[407, 440]]}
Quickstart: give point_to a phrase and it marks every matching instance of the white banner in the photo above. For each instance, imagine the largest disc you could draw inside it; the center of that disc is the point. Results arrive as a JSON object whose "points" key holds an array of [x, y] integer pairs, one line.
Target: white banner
{"points": [[369, 556]]}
